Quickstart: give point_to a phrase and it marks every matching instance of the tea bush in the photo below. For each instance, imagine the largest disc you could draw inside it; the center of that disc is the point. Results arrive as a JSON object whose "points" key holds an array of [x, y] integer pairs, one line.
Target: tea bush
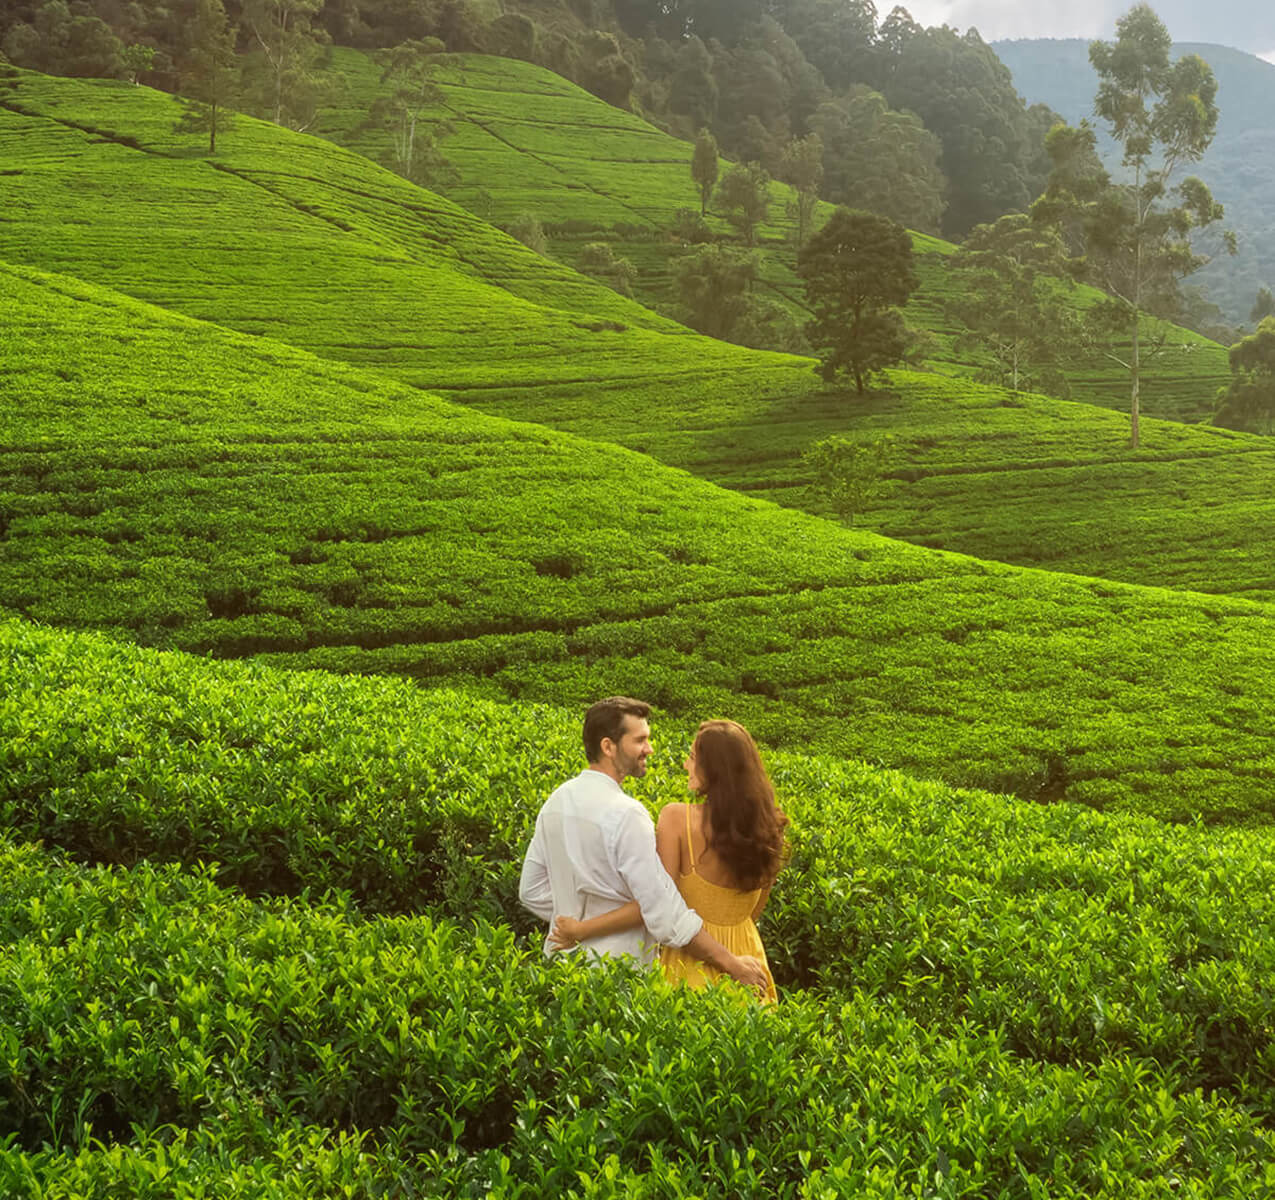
{"points": [[318, 247], [195, 489], [165, 1036], [1080, 937]]}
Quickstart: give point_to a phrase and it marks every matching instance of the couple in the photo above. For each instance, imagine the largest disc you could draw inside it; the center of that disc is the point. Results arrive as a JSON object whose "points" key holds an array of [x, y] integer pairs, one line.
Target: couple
{"points": [[603, 877]]}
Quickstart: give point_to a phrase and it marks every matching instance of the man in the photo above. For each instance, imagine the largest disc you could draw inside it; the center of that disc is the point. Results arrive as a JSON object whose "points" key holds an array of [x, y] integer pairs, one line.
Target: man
{"points": [[594, 850]]}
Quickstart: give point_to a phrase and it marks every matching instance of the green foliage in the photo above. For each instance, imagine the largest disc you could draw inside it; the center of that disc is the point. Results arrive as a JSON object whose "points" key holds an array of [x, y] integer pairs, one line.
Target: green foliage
{"points": [[137, 60], [1263, 306], [209, 73], [60, 42], [881, 160], [803, 168], [1009, 298], [1083, 945], [529, 231], [166, 1038], [600, 260], [1249, 401], [966, 97], [744, 195], [381, 534], [413, 150], [856, 268], [847, 473], [281, 71], [1136, 245], [704, 168]]}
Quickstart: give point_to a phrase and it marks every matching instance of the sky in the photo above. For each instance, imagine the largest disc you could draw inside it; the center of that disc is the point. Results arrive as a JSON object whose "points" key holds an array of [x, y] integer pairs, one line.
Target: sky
{"points": [[1243, 24]]}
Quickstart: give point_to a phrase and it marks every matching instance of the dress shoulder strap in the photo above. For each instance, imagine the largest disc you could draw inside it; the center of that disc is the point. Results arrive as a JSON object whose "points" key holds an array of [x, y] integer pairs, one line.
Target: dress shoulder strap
{"points": [[690, 841]]}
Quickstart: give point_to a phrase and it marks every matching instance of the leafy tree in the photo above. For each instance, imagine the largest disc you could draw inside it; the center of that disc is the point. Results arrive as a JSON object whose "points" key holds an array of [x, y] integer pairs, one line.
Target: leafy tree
{"points": [[881, 160], [717, 293], [803, 168], [744, 197], [59, 41], [528, 230], [599, 260], [284, 65], [846, 474], [413, 151], [137, 60], [1136, 242], [1248, 402], [209, 76], [1008, 297], [692, 89], [966, 96], [713, 287], [1263, 306], [837, 36], [856, 269], [704, 167]]}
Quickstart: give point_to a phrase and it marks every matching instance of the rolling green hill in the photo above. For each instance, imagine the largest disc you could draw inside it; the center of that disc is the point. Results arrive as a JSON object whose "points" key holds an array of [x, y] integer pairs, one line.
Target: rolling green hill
{"points": [[963, 974], [526, 141], [193, 488], [288, 236]]}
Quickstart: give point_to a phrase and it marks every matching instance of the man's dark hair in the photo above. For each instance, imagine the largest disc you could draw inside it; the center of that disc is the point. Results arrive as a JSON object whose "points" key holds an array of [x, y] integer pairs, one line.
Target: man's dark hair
{"points": [[605, 719]]}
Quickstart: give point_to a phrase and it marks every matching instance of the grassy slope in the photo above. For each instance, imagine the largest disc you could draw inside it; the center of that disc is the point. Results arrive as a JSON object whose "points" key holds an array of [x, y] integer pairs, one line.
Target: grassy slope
{"points": [[525, 140], [205, 490], [315, 246], [1044, 972]]}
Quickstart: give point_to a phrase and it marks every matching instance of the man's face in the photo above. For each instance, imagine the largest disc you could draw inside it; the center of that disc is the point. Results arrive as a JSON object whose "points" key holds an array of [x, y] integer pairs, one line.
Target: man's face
{"points": [[630, 753]]}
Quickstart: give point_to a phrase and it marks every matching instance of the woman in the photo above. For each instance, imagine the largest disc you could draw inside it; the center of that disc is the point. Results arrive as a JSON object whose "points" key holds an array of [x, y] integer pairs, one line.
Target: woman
{"points": [[724, 854]]}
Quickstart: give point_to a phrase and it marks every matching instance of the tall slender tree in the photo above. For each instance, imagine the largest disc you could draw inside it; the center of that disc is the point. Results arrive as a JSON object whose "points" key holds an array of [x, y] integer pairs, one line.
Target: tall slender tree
{"points": [[209, 77], [286, 40], [704, 168], [803, 168], [1136, 235], [413, 150]]}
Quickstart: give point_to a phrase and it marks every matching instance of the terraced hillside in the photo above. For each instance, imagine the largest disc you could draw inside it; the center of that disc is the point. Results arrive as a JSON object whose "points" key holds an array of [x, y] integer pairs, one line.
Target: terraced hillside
{"points": [[979, 995], [527, 141], [198, 489], [286, 236]]}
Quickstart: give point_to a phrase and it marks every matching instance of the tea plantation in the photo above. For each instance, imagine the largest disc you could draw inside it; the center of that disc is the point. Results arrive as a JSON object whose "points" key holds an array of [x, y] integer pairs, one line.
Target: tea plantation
{"points": [[526, 141], [202, 490], [288, 237], [259, 934], [996, 998]]}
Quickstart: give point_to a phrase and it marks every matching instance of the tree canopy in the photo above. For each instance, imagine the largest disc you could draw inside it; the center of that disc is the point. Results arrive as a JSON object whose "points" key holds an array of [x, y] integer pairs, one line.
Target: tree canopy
{"points": [[856, 269]]}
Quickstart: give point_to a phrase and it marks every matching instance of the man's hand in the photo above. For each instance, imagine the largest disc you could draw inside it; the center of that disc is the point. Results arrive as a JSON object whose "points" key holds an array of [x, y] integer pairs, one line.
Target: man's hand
{"points": [[750, 972], [565, 933]]}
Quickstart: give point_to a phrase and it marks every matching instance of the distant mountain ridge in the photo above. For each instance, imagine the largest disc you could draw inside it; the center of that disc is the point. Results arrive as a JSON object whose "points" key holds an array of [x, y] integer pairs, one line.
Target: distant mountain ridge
{"points": [[1239, 166]]}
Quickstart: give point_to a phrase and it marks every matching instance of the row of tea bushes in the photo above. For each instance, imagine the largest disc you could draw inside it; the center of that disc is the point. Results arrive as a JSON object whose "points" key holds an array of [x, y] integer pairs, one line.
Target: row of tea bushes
{"points": [[172, 1034], [1081, 936], [196, 490]]}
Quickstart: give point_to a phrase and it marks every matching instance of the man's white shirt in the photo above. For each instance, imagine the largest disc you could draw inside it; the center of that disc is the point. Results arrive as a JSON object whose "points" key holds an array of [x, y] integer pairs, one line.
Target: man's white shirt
{"points": [[594, 851]]}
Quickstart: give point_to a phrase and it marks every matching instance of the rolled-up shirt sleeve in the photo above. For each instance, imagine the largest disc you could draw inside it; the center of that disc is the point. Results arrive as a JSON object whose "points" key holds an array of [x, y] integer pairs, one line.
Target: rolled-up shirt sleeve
{"points": [[664, 912], [534, 888]]}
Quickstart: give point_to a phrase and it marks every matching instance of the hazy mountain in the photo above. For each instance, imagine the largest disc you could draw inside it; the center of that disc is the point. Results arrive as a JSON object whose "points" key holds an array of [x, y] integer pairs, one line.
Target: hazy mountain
{"points": [[1239, 166]]}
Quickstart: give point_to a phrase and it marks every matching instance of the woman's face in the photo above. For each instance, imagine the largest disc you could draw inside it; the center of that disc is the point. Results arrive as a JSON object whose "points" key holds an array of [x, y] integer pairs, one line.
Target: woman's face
{"points": [[693, 781]]}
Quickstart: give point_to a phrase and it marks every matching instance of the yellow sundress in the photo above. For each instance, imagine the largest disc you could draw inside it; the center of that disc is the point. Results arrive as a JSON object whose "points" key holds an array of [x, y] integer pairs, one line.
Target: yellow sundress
{"points": [[728, 916]]}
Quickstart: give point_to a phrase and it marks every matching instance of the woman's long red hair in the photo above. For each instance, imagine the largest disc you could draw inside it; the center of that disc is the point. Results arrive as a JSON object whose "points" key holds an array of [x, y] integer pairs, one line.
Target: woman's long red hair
{"points": [[742, 824]]}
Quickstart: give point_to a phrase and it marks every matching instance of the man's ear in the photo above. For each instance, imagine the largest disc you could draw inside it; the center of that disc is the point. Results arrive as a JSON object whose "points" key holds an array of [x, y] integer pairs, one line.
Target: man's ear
{"points": [[606, 748]]}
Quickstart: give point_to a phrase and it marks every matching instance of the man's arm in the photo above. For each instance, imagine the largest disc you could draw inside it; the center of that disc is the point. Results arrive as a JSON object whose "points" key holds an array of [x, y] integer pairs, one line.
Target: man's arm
{"points": [[533, 888]]}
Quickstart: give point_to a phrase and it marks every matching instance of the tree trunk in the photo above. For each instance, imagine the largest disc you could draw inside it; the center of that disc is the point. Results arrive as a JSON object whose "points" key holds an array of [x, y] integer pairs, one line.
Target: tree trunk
{"points": [[212, 128]]}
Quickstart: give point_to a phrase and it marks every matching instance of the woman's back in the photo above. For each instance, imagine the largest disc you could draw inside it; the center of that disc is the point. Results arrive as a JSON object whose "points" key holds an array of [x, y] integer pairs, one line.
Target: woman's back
{"points": [[728, 911]]}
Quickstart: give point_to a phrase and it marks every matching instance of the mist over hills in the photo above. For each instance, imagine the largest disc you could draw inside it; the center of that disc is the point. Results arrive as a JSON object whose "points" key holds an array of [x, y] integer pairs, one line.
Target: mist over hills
{"points": [[1239, 166]]}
